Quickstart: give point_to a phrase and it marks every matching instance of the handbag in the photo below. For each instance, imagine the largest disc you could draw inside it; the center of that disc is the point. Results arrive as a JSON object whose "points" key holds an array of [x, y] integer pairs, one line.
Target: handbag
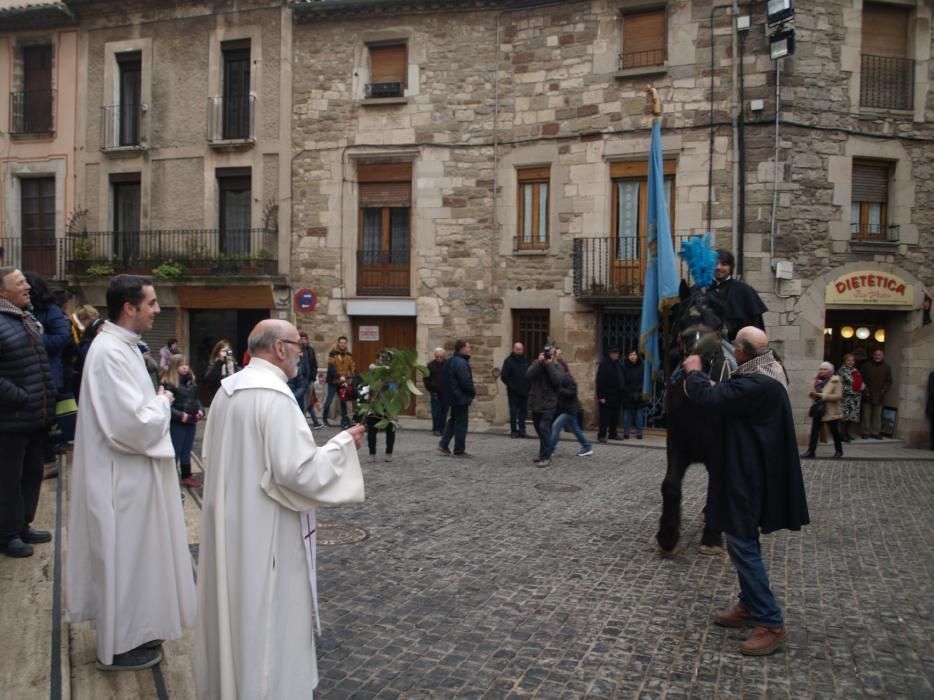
{"points": [[817, 409]]}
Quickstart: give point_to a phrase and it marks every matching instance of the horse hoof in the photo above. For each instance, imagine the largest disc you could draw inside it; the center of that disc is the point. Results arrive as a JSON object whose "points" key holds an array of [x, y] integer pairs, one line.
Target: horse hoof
{"points": [[711, 551], [668, 553]]}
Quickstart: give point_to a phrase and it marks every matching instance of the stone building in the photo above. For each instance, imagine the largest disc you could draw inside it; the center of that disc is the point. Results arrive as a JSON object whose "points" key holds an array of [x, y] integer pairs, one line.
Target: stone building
{"points": [[183, 162], [476, 168], [39, 60]]}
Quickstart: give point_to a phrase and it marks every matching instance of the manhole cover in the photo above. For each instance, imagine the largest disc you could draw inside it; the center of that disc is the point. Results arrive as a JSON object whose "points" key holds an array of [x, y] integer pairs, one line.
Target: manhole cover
{"points": [[559, 488], [337, 533]]}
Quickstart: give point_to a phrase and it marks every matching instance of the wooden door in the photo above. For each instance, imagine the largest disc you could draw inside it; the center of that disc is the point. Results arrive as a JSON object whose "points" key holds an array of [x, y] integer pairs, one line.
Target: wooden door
{"points": [[371, 334], [38, 224]]}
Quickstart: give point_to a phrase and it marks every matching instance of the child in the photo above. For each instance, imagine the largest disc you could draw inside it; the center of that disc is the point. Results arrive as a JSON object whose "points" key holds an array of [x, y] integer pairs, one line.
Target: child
{"points": [[186, 413]]}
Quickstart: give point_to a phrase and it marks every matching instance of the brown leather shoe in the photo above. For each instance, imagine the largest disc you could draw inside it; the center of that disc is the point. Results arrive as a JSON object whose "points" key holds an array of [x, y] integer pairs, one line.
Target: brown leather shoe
{"points": [[764, 641], [737, 616]]}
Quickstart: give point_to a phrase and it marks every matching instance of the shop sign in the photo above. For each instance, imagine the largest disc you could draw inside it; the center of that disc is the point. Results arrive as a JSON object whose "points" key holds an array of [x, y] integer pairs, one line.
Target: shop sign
{"points": [[870, 287], [368, 334]]}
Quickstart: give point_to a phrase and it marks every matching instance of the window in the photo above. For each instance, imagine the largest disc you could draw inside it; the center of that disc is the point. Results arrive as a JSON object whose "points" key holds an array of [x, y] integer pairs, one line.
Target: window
{"points": [[887, 72], [126, 215], [627, 243], [37, 200], [31, 109], [385, 212], [644, 39], [531, 328], [388, 70], [237, 109], [869, 208], [234, 201], [130, 68], [533, 208]]}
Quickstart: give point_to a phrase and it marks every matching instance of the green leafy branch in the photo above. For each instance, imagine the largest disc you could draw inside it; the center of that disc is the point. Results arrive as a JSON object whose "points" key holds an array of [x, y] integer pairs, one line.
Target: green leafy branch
{"points": [[387, 388]]}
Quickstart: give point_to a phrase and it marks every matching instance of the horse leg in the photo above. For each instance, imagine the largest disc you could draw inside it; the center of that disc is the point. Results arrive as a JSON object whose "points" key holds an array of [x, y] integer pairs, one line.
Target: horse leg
{"points": [[711, 540], [670, 522]]}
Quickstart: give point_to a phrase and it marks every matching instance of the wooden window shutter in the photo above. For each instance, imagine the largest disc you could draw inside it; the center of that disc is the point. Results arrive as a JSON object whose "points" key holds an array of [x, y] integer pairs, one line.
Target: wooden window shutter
{"points": [[644, 38], [534, 174], [885, 31], [385, 184], [870, 182], [639, 168], [388, 64]]}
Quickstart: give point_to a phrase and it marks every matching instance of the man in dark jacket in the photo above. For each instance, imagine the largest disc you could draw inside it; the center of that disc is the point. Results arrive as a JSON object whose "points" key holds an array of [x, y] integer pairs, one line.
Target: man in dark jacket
{"points": [[544, 381], [434, 385], [513, 374], [877, 380], [27, 406], [457, 380], [742, 303], [301, 383], [609, 392], [759, 485]]}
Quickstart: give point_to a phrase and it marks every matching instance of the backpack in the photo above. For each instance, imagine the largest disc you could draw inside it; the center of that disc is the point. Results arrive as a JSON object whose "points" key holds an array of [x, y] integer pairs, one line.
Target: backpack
{"points": [[857, 381]]}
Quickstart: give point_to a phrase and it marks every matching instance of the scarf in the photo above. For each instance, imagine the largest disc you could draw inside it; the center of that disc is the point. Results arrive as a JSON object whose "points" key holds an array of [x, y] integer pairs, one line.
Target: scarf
{"points": [[30, 322], [766, 364], [820, 382]]}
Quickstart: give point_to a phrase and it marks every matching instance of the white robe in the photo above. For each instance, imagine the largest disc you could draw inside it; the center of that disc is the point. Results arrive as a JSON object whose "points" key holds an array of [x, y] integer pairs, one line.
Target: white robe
{"points": [[255, 632], [128, 568]]}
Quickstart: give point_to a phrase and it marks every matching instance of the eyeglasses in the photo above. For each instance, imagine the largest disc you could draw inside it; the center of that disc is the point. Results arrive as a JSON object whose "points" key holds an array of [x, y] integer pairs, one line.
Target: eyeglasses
{"points": [[290, 342]]}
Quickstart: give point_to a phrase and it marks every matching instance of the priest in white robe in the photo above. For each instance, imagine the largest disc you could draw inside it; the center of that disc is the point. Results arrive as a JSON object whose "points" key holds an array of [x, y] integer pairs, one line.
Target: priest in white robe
{"points": [[128, 568], [264, 476]]}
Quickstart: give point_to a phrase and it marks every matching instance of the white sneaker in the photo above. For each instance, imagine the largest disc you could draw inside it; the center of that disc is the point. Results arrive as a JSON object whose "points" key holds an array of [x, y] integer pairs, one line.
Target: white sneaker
{"points": [[585, 453], [387, 458]]}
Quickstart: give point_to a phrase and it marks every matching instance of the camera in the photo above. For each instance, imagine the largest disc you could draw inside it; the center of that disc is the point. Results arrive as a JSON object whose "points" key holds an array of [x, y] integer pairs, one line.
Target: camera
{"points": [[548, 351]]}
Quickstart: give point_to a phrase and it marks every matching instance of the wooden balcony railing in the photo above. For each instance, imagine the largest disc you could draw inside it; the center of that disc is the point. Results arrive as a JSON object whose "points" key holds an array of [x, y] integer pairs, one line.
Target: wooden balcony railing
{"points": [[607, 267], [642, 59], [383, 273]]}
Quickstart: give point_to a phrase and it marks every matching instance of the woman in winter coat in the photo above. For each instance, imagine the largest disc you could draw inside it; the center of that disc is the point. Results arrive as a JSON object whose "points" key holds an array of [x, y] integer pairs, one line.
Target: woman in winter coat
{"points": [[221, 364], [827, 391], [186, 413], [632, 395], [852, 395]]}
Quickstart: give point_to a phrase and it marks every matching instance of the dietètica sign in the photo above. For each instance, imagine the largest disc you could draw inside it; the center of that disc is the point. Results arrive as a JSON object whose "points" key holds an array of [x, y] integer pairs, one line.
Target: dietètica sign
{"points": [[870, 287]]}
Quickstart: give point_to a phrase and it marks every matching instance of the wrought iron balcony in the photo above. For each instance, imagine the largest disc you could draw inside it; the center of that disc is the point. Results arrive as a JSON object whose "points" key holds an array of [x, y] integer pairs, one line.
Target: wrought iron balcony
{"points": [[876, 232], [613, 268], [195, 251], [377, 90], [121, 126], [230, 118], [383, 273], [886, 82], [32, 112]]}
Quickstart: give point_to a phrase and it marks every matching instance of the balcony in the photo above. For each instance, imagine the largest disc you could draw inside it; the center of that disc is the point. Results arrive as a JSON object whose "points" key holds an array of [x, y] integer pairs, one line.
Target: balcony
{"points": [[32, 112], [653, 58], [120, 127], [608, 269], [876, 232], [886, 82], [195, 252], [376, 91], [383, 273], [38, 256], [230, 120]]}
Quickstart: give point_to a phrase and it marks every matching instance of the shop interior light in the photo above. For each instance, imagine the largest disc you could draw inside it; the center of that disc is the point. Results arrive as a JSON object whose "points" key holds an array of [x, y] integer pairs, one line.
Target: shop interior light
{"points": [[778, 11], [879, 335], [847, 332], [782, 44], [828, 331], [862, 332]]}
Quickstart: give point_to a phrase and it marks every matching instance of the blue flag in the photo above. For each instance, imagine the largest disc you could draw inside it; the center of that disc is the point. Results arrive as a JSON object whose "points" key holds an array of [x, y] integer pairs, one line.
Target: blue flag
{"points": [[661, 269]]}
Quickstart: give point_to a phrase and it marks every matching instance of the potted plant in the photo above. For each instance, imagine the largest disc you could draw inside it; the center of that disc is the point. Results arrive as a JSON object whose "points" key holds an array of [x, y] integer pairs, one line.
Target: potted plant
{"points": [[168, 270]]}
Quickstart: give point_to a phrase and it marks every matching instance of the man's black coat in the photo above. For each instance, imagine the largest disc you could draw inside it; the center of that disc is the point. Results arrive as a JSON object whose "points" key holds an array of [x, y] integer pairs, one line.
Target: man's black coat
{"points": [[757, 484], [514, 372], [743, 306], [609, 383]]}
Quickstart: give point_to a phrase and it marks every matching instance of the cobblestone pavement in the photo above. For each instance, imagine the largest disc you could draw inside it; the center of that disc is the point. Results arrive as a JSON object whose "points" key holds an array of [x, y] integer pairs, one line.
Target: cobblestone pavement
{"points": [[484, 577]]}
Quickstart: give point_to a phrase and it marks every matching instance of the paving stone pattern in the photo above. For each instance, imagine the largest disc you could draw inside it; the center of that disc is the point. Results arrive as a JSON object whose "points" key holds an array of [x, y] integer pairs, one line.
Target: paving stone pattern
{"points": [[474, 583]]}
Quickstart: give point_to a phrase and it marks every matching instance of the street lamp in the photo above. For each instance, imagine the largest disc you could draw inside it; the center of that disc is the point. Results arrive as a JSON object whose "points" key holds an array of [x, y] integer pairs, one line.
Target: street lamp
{"points": [[782, 44], [778, 11]]}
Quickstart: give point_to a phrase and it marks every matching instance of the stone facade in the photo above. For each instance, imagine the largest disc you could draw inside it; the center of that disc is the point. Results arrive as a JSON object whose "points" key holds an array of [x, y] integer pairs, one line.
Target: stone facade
{"points": [[492, 88]]}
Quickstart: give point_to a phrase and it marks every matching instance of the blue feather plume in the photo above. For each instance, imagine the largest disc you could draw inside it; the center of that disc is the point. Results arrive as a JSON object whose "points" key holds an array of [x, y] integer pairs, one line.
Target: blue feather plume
{"points": [[701, 258]]}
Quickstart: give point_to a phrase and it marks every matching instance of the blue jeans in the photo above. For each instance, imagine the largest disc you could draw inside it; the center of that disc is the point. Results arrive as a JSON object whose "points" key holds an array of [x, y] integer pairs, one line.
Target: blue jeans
{"points": [[631, 415], [518, 410], [439, 412], [456, 428], [567, 421], [183, 438], [755, 595], [542, 423], [332, 392]]}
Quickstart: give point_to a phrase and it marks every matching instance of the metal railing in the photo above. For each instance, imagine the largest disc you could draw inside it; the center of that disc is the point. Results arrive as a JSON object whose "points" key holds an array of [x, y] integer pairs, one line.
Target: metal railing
{"points": [[383, 273], [376, 90], [120, 126], [32, 112], [889, 234], [643, 59], [886, 82], [231, 118], [607, 267], [196, 251], [36, 255]]}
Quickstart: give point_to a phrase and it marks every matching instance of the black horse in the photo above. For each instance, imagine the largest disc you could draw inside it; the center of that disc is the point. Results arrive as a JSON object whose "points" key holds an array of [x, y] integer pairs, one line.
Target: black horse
{"points": [[695, 328]]}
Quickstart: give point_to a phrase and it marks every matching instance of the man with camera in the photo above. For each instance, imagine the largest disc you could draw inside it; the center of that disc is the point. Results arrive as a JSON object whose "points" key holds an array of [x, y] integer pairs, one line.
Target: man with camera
{"points": [[545, 379]]}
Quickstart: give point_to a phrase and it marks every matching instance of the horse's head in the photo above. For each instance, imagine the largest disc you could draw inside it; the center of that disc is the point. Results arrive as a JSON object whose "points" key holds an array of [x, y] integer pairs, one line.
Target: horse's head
{"points": [[696, 322]]}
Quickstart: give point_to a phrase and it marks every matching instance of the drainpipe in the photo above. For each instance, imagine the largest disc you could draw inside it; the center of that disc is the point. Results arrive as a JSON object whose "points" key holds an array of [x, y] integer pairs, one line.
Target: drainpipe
{"points": [[741, 167]]}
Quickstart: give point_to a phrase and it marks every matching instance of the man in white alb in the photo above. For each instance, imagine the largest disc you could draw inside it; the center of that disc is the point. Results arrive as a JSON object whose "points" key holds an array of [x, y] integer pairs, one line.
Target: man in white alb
{"points": [[264, 476], [128, 568]]}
